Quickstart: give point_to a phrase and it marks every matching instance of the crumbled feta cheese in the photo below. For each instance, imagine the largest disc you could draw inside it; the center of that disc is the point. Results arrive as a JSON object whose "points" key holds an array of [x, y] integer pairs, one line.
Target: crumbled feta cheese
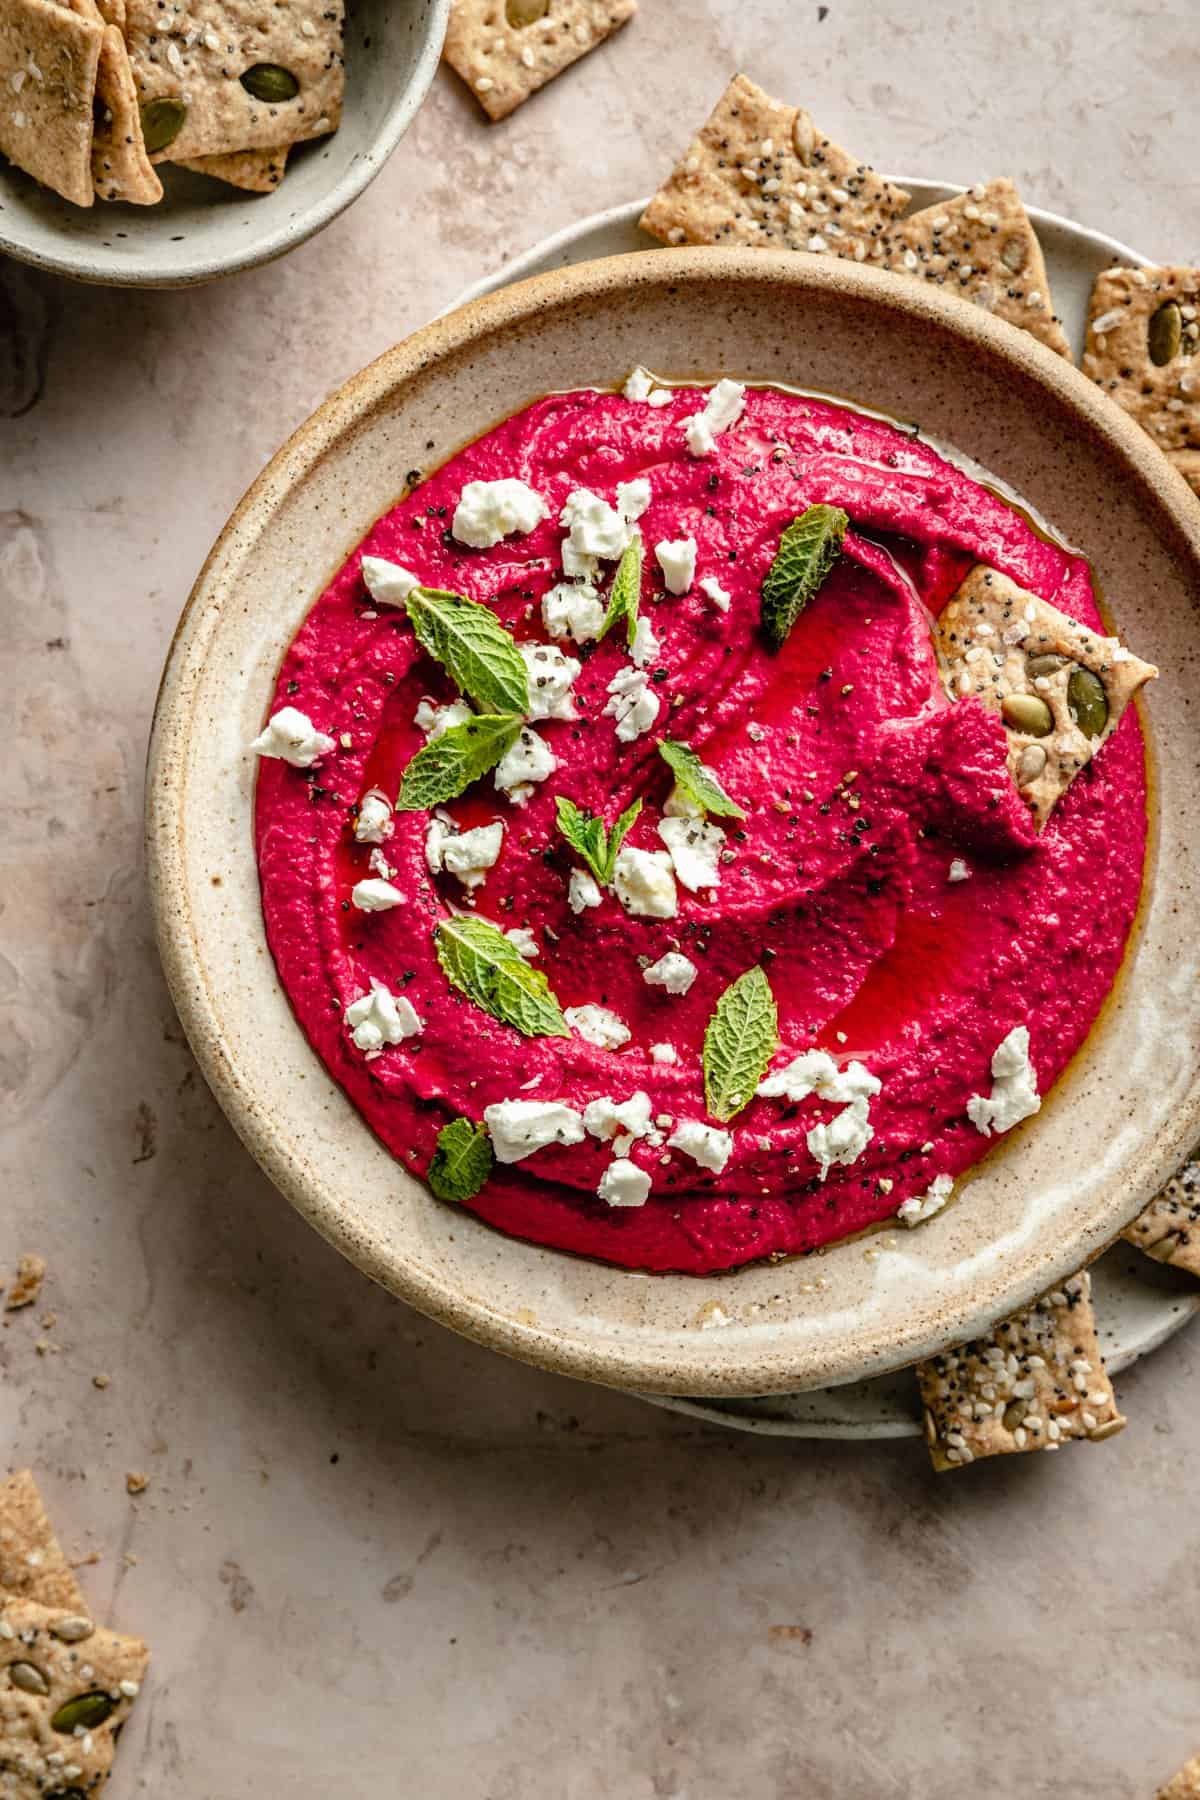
{"points": [[490, 510], [529, 760], [550, 676], [644, 884], [467, 854], [606, 1119], [433, 719], [598, 1025], [816, 1072], [380, 1018], [645, 646], [1014, 1094], [595, 531], [387, 582], [677, 560], [624, 1184], [724, 407], [632, 702], [573, 609], [663, 1053], [679, 805], [959, 870], [705, 1144], [924, 1206], [519, 1127], [633, 497], [672, 971], [523, 941], [844, 1139], [582, 891], [638, 384], [374, 895], [712, 590], [374, 824], [292, 737], [695, 849]]}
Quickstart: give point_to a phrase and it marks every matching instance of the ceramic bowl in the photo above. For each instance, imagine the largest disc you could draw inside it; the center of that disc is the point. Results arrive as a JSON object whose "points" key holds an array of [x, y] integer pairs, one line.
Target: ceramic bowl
{"points": [[1041, 1204], [203, 228]]}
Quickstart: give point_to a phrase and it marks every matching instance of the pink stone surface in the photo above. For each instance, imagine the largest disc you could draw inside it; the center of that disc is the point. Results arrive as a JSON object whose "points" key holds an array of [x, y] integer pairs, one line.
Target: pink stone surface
{"points": [[373, 1558]]}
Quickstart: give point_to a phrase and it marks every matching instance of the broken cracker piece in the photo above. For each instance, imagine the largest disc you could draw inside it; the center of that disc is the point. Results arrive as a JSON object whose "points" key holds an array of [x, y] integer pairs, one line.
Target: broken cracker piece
{"points": [[506, 49], [761, 173], [256, 171], [208, 54], [1143, 349], [121, 170], [1169, 1229], [982, 246], [1183, 1786], [1060, 688], [48, 61], [66, 1688], [1037, 1382], [32, 1563], [27, 1282]]}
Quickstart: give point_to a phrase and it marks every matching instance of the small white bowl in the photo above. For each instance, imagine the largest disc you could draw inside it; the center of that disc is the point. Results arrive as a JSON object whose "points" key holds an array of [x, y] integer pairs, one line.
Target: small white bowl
{"points": [[203, 228]]}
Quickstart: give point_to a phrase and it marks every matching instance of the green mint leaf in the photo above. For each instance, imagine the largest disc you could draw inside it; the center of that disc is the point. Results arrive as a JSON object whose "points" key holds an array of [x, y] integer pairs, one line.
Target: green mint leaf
{"points": [[741, 1038], [807, 552], [453, 761], [472, 645], [624, 596], [697, 780], [477, 958], [462, 1161], [591, 839]]}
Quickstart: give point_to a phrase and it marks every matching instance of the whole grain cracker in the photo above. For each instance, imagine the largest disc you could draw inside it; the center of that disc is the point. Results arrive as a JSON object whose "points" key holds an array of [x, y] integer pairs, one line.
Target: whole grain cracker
{"points": [[1169, 1229], [257, 171], [1183, 1786], [211, 44], [48, 61], [121, 169], [761, 173], [32, 1563], [26, 1284], [113, 13], [1164, 397], [48, 1659], [982, 246], [985, 636], [1037, 1382], [503, 63]]}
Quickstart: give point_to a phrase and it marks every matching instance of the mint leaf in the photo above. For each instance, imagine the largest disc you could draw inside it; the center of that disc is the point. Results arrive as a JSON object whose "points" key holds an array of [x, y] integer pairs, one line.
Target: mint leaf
{"points": [[469, 641], [477, 958], [807, 552], [462, 1161], [697, 780], [453, 761], [624, 596], [590, 838], [741, 1038]]}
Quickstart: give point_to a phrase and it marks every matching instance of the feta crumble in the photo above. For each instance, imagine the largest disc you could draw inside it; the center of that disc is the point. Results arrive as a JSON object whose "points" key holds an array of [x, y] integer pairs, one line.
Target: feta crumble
{"points": [[672, 971], [374, 824], [695, 850], [712, 590], [573, 609], [607, 1120], [816, 1072], [523, 941], [519, 1127], [550, 675], [375, 895], [381, 1017], [677, 560], [624, 1184], [724, 407], [632, 702], [959, 870], [292, 738], [467, 854], [707, 1146], [1014, 1094], [488, 511], [645, 646], [582, 891], [843, 1139], [924, 1206], [664, 1053], [433, 719], [644, 884], [638, 383], [387, 582], [598, 1025], [528, 761]]}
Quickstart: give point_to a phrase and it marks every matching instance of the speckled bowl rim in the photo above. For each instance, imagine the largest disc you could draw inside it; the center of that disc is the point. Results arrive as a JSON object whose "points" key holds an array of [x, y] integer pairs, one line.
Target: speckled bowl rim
{"points": [[715, 1367], [297, 228]]}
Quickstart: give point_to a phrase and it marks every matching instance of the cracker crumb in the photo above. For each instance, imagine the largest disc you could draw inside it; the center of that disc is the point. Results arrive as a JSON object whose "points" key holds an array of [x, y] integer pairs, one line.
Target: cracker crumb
{"points": [[27, 1282]]}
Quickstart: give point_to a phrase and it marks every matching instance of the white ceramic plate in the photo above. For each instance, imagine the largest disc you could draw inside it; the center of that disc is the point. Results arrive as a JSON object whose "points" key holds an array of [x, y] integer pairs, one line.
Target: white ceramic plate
{"points": [[1139, 1304]]}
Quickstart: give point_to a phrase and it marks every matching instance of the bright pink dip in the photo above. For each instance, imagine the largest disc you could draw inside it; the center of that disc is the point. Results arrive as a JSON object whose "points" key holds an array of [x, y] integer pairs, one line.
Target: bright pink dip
{"points": [[871, 950]]}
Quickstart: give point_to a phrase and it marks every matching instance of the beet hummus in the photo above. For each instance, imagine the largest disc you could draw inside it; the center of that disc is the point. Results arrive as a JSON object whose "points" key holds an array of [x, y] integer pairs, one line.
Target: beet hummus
{"points": [[887, 856]]}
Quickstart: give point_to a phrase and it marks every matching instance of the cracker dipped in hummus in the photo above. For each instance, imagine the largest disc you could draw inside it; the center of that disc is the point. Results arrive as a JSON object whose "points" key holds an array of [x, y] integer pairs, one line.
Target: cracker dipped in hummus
{"points": [[657, 874]]}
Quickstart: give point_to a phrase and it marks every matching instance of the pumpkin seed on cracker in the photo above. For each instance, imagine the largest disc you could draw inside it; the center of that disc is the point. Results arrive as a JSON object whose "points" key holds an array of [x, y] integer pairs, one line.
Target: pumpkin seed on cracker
{"points": [[1036, 1383], [257, 171], [1169, 1228], [760, 172], [1143, 349], [505, 50], [49, 56], [1060, 688], [64, 1693]]}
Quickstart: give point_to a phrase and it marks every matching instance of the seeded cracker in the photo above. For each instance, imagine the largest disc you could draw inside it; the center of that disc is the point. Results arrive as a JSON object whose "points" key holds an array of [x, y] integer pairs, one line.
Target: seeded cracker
{"points": [[57, 1671], [1143, 347], [761, 173], [120, 167], [503, 62], [1169, 1229], [1011, 650], [32, 1564], [48, 62], [982, 247], [257, 171], [1036, 1383], [198, 50], [1185, 1785]]}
